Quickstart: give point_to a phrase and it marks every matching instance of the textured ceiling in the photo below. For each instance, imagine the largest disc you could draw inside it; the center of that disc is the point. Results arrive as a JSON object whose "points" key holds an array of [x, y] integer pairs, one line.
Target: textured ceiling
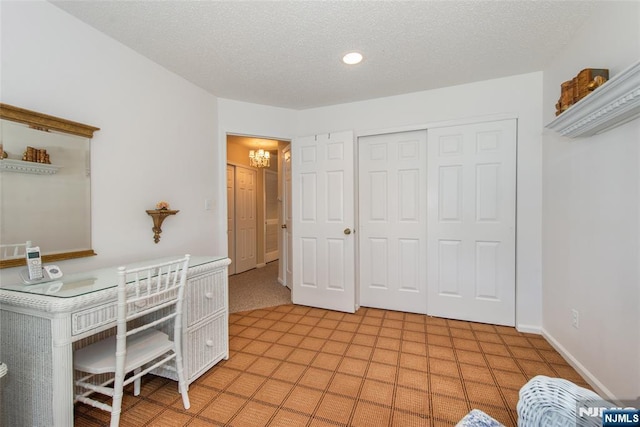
{"points": [[288, 53]]}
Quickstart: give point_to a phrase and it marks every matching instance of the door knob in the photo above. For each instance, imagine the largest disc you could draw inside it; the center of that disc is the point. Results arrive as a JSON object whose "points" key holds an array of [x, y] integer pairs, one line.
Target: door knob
{"points": [[283, 226], [347, 231]]}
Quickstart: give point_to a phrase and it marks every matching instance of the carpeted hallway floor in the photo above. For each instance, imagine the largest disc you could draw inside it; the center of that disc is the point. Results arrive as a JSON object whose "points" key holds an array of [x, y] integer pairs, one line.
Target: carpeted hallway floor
{"points": [[257, 288]]}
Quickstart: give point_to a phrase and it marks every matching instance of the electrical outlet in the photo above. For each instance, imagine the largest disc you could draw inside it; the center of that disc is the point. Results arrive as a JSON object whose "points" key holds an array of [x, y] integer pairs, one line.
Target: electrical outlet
{"points": [[575, 318]]}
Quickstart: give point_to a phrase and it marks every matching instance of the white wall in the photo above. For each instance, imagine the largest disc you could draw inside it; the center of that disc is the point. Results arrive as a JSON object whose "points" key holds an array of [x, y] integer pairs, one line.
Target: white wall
{"points": [[591, 218], [517, 96], [158, 137]]}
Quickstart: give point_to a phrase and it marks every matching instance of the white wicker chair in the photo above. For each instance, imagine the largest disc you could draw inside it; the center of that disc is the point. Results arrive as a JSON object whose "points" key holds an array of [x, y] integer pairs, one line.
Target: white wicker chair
{"points": [[147, 297], [13, 251], [554, 402], [477, 418]]}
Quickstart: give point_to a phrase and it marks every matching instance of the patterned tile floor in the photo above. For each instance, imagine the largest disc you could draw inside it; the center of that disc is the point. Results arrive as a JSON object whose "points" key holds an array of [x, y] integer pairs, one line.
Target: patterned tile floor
{"points": [[299, 366]]}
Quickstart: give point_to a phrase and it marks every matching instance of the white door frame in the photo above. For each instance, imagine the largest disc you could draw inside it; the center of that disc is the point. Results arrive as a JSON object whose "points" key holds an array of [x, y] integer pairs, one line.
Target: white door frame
{"points": [[225, 135]]}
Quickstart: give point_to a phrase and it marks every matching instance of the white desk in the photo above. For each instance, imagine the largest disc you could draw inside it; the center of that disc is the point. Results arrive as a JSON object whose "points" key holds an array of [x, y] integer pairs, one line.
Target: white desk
{"points": [[41, 324]]}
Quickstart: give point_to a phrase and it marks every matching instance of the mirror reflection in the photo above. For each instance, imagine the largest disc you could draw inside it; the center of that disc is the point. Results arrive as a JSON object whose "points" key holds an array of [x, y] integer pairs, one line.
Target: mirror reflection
{"points": [[44, 191]]}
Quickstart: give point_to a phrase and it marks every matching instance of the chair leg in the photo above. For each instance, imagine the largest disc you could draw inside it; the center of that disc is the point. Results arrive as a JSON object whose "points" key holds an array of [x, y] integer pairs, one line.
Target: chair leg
{"points": [[185, 396], [182, 383], [136, 383], [116, 405]]}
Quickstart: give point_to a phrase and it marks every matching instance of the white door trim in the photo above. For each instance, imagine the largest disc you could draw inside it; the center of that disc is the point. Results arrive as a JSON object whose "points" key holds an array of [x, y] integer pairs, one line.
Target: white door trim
{"points": [[231, 216], [438, 124]]}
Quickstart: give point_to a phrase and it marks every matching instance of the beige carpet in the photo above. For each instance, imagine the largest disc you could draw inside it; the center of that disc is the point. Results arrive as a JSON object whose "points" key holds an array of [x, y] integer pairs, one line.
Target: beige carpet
{"points": [[257, 288]]}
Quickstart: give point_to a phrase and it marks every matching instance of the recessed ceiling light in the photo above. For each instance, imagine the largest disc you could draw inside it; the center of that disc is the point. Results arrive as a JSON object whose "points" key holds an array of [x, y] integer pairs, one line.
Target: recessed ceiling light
{"points": [[352, 58]]}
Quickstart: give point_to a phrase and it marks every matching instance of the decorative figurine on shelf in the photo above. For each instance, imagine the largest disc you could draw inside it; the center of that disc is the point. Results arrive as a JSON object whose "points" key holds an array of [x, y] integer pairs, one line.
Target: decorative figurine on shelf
{"points": [[159, 214], [162, 205]]}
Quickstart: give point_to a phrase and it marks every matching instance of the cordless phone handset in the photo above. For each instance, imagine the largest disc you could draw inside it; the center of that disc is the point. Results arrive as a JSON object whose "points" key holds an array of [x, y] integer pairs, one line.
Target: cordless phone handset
{"points": [[34, 263]]}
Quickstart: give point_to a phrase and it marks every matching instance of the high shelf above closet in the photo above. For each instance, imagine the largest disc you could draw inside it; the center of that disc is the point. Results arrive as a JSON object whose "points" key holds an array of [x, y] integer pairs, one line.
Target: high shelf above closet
{"points": [[614, 103]]}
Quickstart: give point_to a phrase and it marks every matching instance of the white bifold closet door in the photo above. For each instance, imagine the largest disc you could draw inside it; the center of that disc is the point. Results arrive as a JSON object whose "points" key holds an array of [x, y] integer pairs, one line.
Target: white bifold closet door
{"points": [[392, 224], [471, 185]]}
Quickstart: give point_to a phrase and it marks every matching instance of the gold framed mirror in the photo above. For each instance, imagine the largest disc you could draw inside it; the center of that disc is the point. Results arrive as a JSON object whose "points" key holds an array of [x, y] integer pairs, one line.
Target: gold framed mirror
{"points": [[45, 186]]}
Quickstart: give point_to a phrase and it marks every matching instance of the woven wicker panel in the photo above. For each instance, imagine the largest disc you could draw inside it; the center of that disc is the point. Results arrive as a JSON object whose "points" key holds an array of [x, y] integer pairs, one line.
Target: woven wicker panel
{"points": [[206, 294], [22, 404], [205, 346], [92, 318], [554, 402], [96, 318]]}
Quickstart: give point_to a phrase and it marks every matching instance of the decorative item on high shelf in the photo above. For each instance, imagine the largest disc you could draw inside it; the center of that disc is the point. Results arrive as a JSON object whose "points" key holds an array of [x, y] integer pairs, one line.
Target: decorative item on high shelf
{"points": [[580, 86], [37, 155]]}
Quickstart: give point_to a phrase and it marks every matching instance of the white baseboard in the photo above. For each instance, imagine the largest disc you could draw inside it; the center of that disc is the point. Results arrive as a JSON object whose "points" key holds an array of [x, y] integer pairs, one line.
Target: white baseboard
{"points": [[271, 256], [528, 329], [584, 372], [261, 265]]}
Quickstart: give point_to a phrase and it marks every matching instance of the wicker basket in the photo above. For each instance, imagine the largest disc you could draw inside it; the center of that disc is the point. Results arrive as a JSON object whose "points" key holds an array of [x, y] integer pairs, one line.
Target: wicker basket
{"points": [[555, 402]]}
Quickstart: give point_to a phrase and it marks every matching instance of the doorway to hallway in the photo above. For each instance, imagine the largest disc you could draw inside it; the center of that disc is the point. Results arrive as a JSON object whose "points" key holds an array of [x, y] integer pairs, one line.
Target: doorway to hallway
{"points": [[255, 204]]}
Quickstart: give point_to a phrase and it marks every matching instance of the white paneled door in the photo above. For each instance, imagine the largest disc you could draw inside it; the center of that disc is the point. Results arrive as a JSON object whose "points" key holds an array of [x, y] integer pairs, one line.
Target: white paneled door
{"points": [[323, 221], [392, 212], [246, 220], [471, 222]]}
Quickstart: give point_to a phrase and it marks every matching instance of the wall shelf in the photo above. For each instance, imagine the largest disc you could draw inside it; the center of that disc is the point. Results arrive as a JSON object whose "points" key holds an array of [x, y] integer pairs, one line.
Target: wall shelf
{"points": [[158, 216], [20, 166], [614, 103]]}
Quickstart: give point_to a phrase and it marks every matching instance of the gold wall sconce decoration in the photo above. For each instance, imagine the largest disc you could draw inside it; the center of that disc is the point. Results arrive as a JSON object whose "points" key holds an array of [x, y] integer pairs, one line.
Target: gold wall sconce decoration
{"points": [[158, 216]]}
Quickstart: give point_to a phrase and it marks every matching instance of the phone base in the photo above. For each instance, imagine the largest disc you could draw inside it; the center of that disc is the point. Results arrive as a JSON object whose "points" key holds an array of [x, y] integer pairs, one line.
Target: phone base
{"points": [[24, 275]]}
